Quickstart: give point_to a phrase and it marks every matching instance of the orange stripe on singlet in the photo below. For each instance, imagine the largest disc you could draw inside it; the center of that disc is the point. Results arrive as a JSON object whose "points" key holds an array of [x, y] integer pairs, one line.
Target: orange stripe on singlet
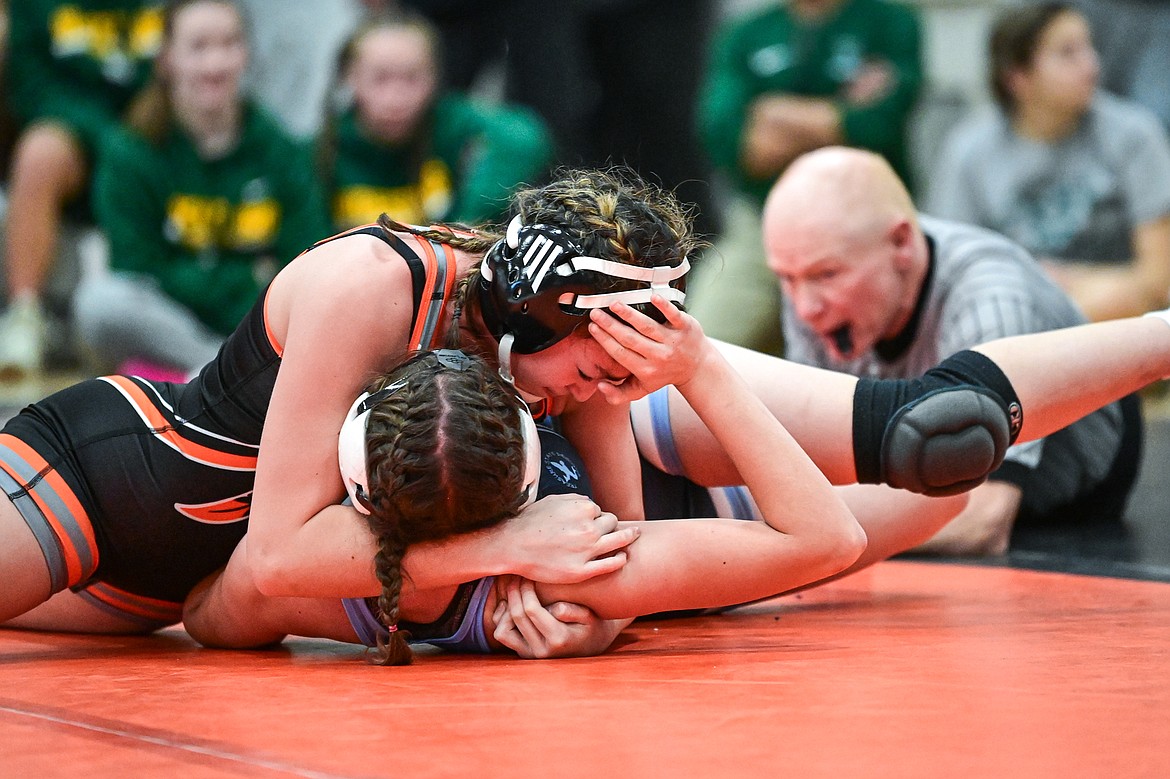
{"points": [[140, 606], [432, 269], [272, 340], [452, 273], [218, 512], [165, 431], [78, 514]]}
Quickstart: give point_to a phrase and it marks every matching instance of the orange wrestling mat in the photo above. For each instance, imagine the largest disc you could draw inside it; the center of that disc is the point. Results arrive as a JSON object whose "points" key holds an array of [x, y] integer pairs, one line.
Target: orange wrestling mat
{"points": [[906, 670]]}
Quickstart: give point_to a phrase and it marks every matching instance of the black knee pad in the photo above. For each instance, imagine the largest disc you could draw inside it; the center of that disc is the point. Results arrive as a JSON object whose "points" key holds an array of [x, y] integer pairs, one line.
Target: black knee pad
{"points": [[940, 434], [946, 442]]}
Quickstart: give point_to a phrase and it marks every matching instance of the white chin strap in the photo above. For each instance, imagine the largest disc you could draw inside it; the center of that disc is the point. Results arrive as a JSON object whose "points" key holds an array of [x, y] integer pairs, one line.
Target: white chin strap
{"points": [[505, 358], [532, 457], [505, 369], [351, 454]]}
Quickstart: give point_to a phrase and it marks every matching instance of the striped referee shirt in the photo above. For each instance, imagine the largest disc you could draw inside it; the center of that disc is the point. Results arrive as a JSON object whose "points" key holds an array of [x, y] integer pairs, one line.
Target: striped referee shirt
{"points": [[982, 286]]}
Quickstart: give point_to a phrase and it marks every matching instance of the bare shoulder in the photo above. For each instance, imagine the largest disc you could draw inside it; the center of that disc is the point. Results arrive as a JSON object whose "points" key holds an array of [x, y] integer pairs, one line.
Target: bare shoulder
{"points": [[354, 266], [351, 281]]}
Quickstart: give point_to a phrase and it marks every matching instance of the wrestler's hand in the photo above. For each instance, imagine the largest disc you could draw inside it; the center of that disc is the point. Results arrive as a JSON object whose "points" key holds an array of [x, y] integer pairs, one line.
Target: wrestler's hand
{"points": [[535, 631], [656, 354], [561, 539]]}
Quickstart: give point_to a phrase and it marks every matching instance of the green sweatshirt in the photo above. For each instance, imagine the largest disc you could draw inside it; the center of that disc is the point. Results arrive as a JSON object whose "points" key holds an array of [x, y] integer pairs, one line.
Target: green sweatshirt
{"points": [[212, 232], [79, 62], [771, 51], [464, 170]]}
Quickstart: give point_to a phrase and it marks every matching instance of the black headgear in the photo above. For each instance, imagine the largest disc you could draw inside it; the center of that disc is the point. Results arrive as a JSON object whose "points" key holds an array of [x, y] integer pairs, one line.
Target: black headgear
{"points": [[538, 285]]}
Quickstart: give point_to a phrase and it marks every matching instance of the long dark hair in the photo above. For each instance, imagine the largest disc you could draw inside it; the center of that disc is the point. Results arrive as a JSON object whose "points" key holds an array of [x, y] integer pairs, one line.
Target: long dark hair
{"points": [[340, 102], [1015, 37]]}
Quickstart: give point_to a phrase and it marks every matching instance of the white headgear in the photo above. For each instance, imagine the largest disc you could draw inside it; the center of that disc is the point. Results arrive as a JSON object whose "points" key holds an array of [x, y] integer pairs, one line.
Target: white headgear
{"points": [[351, 448]]}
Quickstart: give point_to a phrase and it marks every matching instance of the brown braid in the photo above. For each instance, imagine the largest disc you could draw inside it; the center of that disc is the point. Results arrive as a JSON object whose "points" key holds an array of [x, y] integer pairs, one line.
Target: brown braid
{"points": [[388, 567], [612, 214], [445, 456]]}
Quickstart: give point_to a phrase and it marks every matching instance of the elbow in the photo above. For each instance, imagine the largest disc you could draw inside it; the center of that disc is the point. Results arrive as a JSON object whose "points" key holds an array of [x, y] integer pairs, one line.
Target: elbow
{"points": [[193, 613], [268, 571], [851, 544], [201, 618], [845, 546], [835, 553]]}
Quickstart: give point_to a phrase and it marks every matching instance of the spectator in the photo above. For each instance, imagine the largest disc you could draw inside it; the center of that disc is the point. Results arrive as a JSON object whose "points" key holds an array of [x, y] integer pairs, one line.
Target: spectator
{"points": [[203, 199], [71, 69], [1080, 178], [782, 81], [873, 289], [6, 129], [404, 147]]}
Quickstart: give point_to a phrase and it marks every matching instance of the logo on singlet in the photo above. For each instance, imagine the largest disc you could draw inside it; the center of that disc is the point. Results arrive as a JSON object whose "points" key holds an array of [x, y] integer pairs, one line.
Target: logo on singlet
{"points": [[562, 469], [218, 512]]}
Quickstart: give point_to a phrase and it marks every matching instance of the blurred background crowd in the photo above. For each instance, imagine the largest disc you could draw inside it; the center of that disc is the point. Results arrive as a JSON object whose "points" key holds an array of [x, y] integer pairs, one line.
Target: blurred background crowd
{"points": [[159, 170]]}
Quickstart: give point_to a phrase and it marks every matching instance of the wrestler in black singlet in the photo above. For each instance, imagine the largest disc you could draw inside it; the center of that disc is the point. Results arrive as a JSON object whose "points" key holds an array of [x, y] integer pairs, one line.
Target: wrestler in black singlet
{"points": [[138, 490]]}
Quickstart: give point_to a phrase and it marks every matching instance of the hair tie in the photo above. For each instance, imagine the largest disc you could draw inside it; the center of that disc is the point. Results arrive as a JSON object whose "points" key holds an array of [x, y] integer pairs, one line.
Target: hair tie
{"points": [[392, 628]]}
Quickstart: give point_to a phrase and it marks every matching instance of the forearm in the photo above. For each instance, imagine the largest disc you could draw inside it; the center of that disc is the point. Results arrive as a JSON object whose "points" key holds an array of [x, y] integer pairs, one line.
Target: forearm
{"points": [[227, 610], [694, 564], [455, 560], [330, 556], [766, 152], [793, 495], [1114, 291], [1113, 294], [781, 127]]}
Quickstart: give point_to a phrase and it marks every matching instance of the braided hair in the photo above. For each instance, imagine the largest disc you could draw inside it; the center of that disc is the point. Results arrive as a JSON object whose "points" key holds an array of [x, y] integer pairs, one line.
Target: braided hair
{"points": [[613, 214], [445, 456]]}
